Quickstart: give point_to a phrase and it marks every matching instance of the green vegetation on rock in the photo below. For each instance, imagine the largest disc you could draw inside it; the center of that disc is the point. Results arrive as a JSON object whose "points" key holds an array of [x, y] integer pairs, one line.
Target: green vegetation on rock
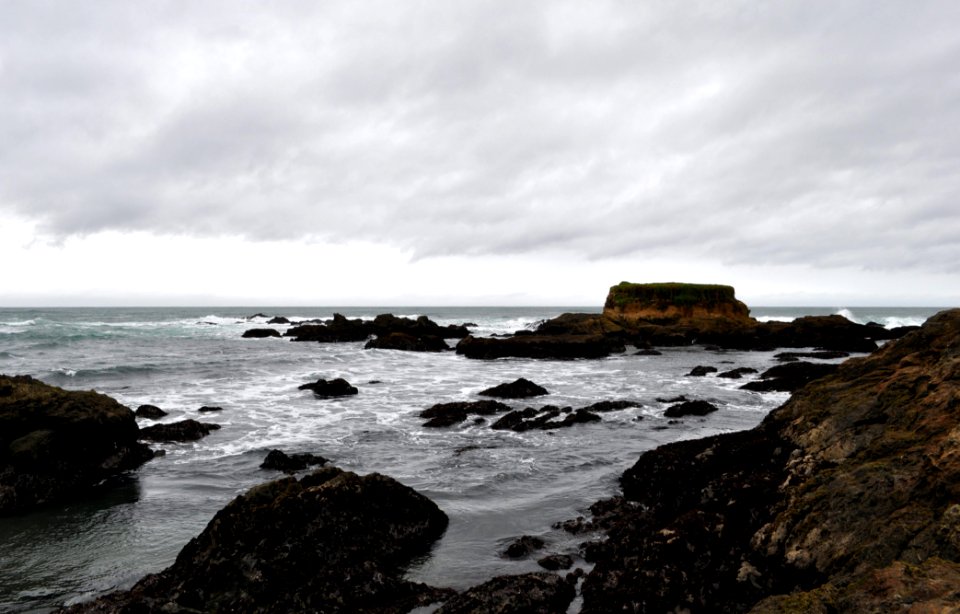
{"points": [[663, 295]]}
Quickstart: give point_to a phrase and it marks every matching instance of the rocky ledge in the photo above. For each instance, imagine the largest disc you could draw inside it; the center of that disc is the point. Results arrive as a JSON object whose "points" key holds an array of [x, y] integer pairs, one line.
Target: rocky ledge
{"points": [[341, 328], [845, 499], [332, 541], [57, 444]]}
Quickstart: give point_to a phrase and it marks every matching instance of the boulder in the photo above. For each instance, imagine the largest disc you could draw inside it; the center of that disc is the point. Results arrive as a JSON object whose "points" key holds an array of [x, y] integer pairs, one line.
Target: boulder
{"points": [[521, 388], [448, 414], [325, 389], [408, 343], [844, 499], [540, 346], [701, 371], [737, 373], [690, 408], [556, 562], [260, 333], [57, 445], [208, 409], [522, 547], [184, 430], [331, 542], [151, 412], [291, 463], [278, 320], [532, 593]]}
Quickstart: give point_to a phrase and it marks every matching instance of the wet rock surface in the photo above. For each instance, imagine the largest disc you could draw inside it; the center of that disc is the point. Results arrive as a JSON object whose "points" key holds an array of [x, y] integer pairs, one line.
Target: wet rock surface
{"points": [[843, 500], [408, 343], [184, 430], [690, 408], [341, 329], [541, 346], [448, 414], [325, 389], [151, 412], [790, 376], [57, 445], [260, 333], [291, 463], [331, 542], [520, 388]]}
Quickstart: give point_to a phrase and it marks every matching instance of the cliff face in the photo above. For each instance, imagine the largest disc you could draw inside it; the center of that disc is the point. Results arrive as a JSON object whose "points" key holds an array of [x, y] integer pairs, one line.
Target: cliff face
{"points": [[846, 498], [668, 303]]}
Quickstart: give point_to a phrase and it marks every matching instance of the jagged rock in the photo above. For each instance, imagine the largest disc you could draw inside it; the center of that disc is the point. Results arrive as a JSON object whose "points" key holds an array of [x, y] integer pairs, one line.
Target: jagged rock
{"points": [[544, 418], [556, 562], [540, 346], [520, 388], [342, 329], [331, 542], [843, 500], [690, 408], [701, 371], [291, 463], [408, 343], [790, 376], [151, 412], [737, 373], [260, 333], [184, 430], [522, 546], [533, 593], [324, 389], [56, 445], [448, 414]]}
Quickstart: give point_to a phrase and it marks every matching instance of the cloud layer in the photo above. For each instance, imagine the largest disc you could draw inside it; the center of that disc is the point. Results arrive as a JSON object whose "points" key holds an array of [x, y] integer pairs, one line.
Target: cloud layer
{"points": [[801, 132]]}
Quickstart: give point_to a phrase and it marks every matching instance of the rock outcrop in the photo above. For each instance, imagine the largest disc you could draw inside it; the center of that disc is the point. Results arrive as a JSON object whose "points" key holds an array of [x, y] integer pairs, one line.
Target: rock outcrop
{"points": [[845, 499], [521, 388], [669, 303], [565, 346], [260, 333], [408, 343], [325, 389], [341, 329], [332, 541], [533, 593], [57, 444], [184, 430]]}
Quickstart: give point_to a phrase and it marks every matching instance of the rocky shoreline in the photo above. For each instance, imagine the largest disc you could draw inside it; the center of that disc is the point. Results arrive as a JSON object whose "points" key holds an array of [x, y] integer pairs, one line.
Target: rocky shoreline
{"points": [[844, 499]]}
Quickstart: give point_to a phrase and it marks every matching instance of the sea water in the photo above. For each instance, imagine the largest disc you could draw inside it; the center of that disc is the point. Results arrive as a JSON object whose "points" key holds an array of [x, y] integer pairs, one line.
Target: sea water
{"points": [[494, 485]]}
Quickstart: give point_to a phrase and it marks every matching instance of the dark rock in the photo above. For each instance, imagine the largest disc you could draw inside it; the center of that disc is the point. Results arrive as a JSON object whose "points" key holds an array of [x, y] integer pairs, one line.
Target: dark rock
{"points": [[737, 373], [701, 371], [648, 353], [448, 414], [605, 406], [206, 409], [544, 418], [291, 463], [408, 343], [678, 399], [533, 593], [843, 500], [332, 542], [519, 389], [278, 320], [260, 333], [257, 315], [151, 412], [790, 376], [341, 329], [333, 388], [57, 445], [540, 346], [184, 430], [522, 546], [690, 408], [556, 562]]}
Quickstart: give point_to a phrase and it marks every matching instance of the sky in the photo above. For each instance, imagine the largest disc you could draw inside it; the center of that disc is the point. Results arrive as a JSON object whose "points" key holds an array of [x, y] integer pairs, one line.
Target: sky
{"points": [[478, 153]]}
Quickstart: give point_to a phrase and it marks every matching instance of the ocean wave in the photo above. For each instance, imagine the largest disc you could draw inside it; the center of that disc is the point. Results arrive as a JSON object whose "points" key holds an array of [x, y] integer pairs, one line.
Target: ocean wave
{"points": [[19, 323], [774, 319]]}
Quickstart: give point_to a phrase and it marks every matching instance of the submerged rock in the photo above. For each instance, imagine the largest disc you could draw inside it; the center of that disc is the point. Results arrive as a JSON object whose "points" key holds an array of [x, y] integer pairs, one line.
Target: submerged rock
{"points": [[151, 412], [448, 414], [291, 463], [184, 430], [324, 389], [844, 499], [520, 388], [737, 373], [56, 445], [260, 333], [331, 542]]}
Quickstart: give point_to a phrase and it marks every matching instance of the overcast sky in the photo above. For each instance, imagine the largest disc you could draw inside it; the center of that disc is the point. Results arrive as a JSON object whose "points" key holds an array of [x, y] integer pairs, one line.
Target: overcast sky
{"points": [[478, 152]]}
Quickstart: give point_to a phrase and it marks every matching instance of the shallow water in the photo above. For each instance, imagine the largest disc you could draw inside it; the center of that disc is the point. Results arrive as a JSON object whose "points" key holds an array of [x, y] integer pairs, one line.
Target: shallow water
{"points": [[494, 485]]}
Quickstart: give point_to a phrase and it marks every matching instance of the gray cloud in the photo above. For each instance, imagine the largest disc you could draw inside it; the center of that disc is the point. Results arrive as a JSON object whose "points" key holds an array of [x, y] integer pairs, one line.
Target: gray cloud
{"points": [[806, 132]]}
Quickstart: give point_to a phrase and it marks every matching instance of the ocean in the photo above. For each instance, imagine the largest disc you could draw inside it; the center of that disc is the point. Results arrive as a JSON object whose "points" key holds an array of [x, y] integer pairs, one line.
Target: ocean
{"points": [[494, 485]]}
